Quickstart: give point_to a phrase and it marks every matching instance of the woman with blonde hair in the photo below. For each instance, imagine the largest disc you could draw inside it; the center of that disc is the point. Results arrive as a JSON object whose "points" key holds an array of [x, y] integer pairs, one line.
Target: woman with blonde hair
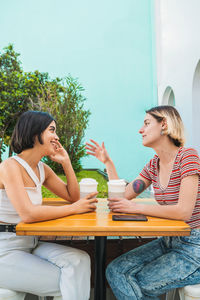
{"points": [[168, 262], [27, 265]]}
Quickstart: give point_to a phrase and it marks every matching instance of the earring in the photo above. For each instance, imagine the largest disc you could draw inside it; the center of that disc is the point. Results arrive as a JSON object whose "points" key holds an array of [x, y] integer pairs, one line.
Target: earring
{"points": [[161, 133]]}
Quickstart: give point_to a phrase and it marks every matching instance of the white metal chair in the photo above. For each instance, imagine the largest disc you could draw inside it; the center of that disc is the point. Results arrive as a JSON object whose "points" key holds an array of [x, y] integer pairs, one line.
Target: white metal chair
{"points": [[188, 292], [11, 295]]}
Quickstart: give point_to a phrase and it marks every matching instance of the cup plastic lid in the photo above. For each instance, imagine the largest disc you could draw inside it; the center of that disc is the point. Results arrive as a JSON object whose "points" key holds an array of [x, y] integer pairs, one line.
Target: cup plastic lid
{"points": [[88, 181], [117, 182]]}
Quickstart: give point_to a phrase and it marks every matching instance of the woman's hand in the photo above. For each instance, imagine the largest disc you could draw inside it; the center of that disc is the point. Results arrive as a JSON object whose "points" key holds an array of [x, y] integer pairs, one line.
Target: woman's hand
{"points": [[122, 205], [86, 204], [101, 154], [60, 154], [98, 151]]}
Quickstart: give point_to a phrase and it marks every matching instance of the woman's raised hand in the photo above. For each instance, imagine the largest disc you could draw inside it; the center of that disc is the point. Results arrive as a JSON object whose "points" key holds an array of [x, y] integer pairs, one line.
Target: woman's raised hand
{"points": [[60, 155], [98, 151]]}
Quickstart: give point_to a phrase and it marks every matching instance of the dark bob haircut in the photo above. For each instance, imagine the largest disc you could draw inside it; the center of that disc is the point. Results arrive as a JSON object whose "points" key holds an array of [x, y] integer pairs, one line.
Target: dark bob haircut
{"points": [[30, 125]]}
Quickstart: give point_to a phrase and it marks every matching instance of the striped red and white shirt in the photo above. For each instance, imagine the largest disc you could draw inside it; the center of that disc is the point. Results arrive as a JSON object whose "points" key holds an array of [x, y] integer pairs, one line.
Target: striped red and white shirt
{"points": [[187, 162]]}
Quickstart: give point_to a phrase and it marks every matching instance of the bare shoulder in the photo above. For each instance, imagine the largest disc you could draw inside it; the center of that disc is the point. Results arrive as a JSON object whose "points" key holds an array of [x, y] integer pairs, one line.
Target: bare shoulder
{"points": [[9, 167]]}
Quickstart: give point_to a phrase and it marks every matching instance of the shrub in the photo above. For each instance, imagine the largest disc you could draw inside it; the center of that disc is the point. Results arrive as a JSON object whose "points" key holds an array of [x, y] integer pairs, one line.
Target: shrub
{"points": [[61, 97], [64, 100]]}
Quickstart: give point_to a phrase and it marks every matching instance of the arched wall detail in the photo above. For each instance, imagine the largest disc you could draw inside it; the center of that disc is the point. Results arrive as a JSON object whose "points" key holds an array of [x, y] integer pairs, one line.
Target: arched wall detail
{"points": [[196, 107], [168, 97]]}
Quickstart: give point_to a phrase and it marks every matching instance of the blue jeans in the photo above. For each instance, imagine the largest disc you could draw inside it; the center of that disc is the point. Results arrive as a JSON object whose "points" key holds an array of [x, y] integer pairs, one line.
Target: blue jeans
{"points": [[156, 267]]}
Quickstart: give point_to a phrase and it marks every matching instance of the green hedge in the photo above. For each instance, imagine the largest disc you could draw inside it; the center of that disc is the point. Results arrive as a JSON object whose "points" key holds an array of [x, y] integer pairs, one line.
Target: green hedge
{"points": [[102, 183]]}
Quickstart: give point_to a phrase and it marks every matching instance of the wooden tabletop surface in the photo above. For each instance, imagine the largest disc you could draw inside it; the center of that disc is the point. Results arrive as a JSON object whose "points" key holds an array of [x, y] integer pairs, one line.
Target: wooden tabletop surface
{"points": [[100, 223]]}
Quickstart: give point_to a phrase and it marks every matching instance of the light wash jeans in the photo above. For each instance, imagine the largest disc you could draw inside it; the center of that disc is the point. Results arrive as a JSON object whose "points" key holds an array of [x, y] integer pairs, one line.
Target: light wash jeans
{"points": [[156, 267], [44, 269]]}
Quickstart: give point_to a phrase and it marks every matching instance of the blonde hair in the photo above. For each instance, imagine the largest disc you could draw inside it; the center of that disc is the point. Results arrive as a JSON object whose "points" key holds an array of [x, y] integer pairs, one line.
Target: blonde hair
{"points": [[175, 128]]}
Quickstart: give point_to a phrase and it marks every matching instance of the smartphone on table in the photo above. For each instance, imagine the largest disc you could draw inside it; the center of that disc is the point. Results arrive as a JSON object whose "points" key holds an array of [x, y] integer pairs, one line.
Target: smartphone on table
{"points": [[129, 218]]}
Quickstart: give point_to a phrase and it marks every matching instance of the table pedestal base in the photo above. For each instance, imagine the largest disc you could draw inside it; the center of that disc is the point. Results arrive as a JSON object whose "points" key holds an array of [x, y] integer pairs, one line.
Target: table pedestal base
{"points": [[100, 259]]}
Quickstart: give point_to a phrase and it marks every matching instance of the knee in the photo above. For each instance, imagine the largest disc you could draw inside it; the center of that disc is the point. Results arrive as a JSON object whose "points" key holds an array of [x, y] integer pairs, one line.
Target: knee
{"points": [[110, 271], [80, 258], [72, 257], [84, 257]]}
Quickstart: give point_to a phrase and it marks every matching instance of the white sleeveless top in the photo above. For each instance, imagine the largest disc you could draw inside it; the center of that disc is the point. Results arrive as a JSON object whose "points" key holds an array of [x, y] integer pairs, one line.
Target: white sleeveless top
{"points": [[8, 213]]}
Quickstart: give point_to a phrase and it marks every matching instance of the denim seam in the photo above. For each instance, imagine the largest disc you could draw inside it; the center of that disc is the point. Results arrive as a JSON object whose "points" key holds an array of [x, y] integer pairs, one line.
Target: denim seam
{"points": [[175, 282], [188, 257], [135, 286]]}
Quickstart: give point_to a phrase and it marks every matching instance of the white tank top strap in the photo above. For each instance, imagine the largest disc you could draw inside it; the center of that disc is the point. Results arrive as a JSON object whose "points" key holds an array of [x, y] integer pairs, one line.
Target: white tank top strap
{"points": [[28, 169], [42, 173]]}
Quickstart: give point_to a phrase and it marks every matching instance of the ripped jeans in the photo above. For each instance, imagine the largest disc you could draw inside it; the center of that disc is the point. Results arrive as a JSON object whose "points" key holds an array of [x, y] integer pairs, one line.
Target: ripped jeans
{"points": [[156, 267]]}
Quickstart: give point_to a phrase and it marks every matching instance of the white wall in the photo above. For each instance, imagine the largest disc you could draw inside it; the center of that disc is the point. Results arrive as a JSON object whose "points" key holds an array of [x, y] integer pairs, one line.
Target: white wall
{"points": [[178, 53]]}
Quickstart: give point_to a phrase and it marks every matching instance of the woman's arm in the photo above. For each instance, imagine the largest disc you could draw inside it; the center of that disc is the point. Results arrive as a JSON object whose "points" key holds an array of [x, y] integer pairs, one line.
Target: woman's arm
{"points": [[12, 180], [180, 211], [69, 191], [136, 187], [102, 155], [57, 186]]}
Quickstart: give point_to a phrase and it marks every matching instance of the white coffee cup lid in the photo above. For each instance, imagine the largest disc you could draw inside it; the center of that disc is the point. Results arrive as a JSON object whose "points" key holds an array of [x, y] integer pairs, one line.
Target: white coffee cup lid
{"points": [[88, 181], [117, 182], [88, 185]]}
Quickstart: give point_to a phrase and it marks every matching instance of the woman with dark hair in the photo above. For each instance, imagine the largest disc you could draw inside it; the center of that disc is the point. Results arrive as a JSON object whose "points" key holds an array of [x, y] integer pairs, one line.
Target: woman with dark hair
{"points": [[168, 262], [26, 265]]}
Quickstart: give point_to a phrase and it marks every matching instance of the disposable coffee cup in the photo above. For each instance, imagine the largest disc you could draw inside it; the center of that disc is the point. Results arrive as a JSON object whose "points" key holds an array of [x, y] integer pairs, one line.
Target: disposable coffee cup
{"points": [[116, 188], [87, 186]]}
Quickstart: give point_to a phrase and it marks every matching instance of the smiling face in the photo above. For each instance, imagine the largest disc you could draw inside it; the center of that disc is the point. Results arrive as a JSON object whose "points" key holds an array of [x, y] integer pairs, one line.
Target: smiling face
{"points": [[151, 131], [50, 138]]}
